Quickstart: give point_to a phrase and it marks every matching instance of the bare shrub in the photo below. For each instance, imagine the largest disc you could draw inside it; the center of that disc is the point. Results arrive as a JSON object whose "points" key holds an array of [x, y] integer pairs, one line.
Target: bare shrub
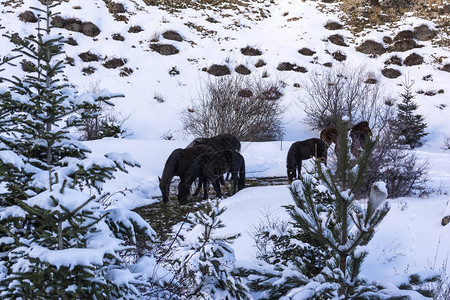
{"points": [[332, 93], [222, 106], [357, 94], [401, 170]]}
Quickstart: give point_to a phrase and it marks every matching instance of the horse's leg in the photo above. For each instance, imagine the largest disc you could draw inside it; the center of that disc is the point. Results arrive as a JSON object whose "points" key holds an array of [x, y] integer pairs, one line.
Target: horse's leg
{"points": [[205, 188], [199, 187], [216, 185], [234, 177]]}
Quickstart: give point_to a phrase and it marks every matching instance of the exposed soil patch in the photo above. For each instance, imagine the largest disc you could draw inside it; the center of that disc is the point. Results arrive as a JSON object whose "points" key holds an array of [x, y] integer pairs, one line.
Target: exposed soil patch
{"points": [[424, 33], [72, 24], [394, 60], [243, 70], [28, 17], [446, 68], [413, 59], [71, 41], [306, 52], [27, 66], [339, 56], [404, 35], [404, 45], [118, 37], [287, 66], [172, 35], [88, 70], [218, 70], [337, 39], [391, 73], [333, 25], [260, 63], [250, 51], [164, 49], [135, 29], [88, 57], [116, 8], [114, 63], [371, 47]]}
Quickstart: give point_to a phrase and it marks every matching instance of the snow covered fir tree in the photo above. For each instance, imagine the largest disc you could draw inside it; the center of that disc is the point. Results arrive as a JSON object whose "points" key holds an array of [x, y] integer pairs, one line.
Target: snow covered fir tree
{"points": [[408, 126], [330, 228], [57, 240]]}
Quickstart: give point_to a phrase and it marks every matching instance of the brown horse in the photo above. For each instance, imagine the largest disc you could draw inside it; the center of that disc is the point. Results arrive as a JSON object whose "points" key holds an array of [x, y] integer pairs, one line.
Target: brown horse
{"points": [[304, 150], [359, 134], [329, 136]]}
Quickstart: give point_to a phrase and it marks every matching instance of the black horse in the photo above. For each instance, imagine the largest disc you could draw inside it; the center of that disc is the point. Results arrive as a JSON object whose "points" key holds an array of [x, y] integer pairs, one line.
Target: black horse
{"points": [[219, 142], [177, 164], [212, 165], [359, 134], [304, 150], [201, 162]]}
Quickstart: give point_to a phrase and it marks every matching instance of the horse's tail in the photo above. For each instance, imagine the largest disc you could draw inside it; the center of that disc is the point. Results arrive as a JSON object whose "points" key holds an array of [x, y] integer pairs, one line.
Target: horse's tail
{"points": [[241, 182]]}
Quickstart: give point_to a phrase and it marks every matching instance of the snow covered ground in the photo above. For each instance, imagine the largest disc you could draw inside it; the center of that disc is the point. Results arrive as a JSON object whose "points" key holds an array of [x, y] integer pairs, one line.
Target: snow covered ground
{"points": [[409, 239]]}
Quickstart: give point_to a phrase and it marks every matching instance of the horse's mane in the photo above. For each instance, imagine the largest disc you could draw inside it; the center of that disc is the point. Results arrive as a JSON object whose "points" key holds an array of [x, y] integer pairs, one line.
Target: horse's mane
{"points": [[172, 163]]}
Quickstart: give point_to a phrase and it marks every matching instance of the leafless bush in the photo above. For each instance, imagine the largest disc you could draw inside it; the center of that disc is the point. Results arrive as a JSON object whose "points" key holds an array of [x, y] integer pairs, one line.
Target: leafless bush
{"points": [[240, 105], [441, 289], [343, 91], [402, 171]]}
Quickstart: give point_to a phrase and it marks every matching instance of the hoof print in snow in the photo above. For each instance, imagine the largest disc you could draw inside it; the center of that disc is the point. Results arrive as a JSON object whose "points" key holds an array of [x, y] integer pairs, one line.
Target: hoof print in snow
{"points": [[306, 52], [250, 51], [391, 73], [339, 56], [164, 49], [172, 35], [28, 17], [371, 47], [114, 63], [337, 39], [218, 70], [243, 70], [332, 25], [413, 59], [88, 57]]}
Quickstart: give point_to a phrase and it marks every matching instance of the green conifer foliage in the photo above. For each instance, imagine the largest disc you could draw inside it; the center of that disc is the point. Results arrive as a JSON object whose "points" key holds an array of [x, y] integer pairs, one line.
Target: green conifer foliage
{"points": [[409, 127], [57, 241], [327, 212]]}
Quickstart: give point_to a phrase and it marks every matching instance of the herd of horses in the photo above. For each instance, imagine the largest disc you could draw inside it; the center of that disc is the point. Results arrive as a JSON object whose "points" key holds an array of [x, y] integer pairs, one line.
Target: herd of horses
{"points": [[210, 159]]}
